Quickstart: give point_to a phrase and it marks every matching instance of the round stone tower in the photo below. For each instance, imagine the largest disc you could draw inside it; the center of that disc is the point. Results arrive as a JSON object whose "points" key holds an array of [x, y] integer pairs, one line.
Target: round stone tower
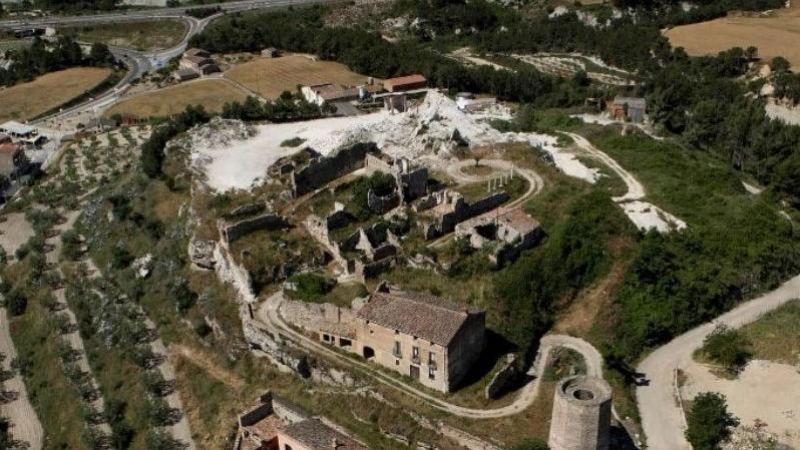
{"points": [[581, 414]]}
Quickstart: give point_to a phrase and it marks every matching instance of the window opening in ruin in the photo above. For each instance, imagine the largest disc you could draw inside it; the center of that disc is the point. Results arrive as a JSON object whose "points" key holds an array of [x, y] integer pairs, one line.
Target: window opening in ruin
{"points": [[431, 373], [369, 353], [396, 350], [345, 342]]}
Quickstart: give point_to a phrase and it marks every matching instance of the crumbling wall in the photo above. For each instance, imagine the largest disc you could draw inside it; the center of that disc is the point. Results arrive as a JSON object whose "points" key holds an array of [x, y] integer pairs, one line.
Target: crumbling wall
{"points": [[245, 227], [312, 316], [287, 411], [382, 204], [256, 415], [486, 204], [414, 184], [502, 380], [374, 163], [324, 170], [366, 270]]}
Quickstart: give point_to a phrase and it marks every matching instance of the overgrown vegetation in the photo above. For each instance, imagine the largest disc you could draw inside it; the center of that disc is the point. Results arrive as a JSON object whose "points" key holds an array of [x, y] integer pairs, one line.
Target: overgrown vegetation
{"points": [[727, 347], [709, 422], [153, 149]]}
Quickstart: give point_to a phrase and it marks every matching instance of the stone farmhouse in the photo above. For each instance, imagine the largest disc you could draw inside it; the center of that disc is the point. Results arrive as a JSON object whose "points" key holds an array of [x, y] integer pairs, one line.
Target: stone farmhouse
{"points": [[276, 424], [630, 108], [419, 335]]}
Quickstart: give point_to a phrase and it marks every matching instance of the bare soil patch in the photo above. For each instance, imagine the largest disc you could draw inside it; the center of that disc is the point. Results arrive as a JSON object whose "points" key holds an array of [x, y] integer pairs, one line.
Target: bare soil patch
{"points": [[28, 100], [212, 94], [271, 76]]}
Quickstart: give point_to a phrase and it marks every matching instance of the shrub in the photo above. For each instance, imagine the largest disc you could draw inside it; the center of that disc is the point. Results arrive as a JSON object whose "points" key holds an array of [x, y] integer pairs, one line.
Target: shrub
{"points": [[727, 347], [310, 287], [709, 422], [16, 302]]}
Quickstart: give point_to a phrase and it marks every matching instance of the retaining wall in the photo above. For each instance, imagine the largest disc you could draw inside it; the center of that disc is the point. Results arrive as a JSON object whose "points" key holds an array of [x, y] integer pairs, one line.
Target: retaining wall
{"points": [[324, 170]]}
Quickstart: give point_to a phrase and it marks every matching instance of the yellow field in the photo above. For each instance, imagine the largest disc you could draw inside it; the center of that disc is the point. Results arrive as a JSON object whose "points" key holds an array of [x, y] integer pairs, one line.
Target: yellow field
{"points": [[212, 94], [28, 100], [271, 76], [775, 35]]}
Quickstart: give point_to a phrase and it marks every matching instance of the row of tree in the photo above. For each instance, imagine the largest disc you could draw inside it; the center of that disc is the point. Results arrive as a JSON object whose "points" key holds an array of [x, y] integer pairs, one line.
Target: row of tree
{"points": [[43, 57]]}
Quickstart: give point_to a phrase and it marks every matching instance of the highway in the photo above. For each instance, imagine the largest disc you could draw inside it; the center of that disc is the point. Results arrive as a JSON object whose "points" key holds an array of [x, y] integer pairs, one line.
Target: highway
{"points": [[140, 63], [150, 14]]}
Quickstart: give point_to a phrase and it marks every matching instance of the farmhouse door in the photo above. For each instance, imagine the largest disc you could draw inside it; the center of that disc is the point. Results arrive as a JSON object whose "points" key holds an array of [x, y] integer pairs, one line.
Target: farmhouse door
{"points": [[415, 372]]}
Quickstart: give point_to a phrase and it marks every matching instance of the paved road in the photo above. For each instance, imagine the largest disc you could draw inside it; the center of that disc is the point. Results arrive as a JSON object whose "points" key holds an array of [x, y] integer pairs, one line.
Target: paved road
{"points": [[150, 14], [269, 316], [662, 419]]}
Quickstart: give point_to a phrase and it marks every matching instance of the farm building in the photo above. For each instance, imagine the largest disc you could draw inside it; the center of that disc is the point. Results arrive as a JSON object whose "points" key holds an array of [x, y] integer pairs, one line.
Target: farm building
{"points": [[270, 52], [513, 231], [419, 335], [331, 93], [182, 75], [630, 108], [275, 424], [199, 61], [406, 83]]}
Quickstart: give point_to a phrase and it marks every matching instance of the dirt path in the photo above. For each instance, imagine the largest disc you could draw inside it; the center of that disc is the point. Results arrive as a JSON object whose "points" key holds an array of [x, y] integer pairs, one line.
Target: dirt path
{"points": [[642, 213], [24, 422], [15, 231], [201, 361], [662, 419], [269, 316], [180, 430]]}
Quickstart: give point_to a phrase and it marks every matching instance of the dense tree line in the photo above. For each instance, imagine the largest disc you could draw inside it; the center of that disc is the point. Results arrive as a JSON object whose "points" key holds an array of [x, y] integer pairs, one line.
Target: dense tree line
{"points": [[366, 52], [153, 149], [288, 107], [42, 57]]}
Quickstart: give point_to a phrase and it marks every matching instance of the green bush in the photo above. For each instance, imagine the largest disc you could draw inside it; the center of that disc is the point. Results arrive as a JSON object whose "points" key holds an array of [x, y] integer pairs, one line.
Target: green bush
{"points": [[709, 422], [310, 287], [727, 347]]}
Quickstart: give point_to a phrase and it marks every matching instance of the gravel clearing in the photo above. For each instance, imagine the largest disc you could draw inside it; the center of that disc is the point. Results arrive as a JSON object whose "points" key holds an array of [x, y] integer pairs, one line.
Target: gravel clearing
{"points": [[234, 156], [764, 391]]}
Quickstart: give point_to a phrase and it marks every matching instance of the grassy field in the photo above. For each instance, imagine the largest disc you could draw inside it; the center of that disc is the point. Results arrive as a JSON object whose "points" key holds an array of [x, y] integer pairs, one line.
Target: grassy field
{"points": [[212, 94], [270, 77], [142, 36], [25, 101], [13, 44], [775, 35], [776, 335]]}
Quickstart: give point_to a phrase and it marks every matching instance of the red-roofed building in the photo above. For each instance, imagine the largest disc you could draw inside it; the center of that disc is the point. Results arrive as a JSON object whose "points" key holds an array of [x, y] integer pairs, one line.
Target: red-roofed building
{"points": [[406, 83]]}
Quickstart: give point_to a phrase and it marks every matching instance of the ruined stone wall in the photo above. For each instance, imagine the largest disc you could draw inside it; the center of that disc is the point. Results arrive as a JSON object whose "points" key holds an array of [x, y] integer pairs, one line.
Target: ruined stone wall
{"points": [[486, 204], [414, 184], [502, 380], [373, 163], [367, 270], [382, 204], [288, 411], [324, 170], [245, 227], [260, 412], [311, 316]]}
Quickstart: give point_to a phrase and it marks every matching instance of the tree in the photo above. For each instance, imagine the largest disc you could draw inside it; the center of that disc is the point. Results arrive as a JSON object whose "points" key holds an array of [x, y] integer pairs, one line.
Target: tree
{"points": [[727, 347], [780, 64], [100, 55], [16, 302], [709, 422], [161, 440], [532, 444]]}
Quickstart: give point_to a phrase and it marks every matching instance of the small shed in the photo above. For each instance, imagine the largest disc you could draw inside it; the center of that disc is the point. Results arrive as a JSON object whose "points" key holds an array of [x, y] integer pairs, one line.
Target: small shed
{"points": [[185, 74], [270, 52]]}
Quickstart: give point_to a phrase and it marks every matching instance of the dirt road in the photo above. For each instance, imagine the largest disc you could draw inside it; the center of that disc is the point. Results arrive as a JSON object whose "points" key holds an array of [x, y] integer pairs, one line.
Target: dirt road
{"points": [[635, 189], [269, 316], [662, 419], [25, 424]]}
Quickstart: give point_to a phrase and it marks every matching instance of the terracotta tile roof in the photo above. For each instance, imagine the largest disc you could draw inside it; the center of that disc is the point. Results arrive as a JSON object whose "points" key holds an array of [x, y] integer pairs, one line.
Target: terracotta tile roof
{"points": [[316, 435], [406, 80], [422, 315]]}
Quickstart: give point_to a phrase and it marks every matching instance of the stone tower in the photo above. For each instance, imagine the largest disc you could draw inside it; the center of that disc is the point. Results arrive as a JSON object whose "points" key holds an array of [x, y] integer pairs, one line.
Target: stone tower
{"points": [[581, 414]]}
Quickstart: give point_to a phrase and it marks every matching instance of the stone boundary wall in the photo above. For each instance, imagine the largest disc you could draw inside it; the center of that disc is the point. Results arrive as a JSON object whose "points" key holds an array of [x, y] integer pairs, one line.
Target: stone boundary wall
{"points": [[312, 315], [501, 380], [486, 204], [240, 229], [324, 170]]}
